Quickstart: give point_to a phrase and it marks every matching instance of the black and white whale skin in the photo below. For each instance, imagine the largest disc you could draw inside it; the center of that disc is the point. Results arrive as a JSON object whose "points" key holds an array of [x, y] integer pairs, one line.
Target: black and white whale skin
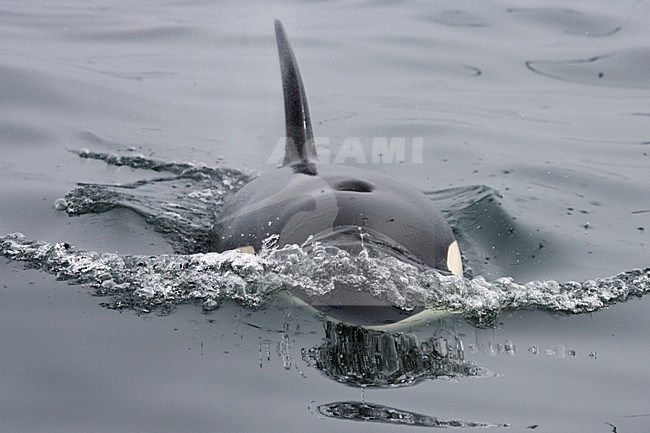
{"points": [[339, 205]]}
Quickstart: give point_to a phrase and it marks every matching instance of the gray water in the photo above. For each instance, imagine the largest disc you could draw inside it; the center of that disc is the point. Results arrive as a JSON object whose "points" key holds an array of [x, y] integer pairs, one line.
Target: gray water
{"points": [[534, 121]]}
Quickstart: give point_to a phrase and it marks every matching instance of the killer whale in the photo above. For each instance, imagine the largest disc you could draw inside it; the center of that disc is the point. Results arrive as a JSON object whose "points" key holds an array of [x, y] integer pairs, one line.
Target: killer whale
{"points": [[346, 207]]}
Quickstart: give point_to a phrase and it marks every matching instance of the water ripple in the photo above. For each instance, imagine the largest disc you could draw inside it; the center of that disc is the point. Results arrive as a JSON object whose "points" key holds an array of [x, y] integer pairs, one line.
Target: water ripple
{"points": [[626, 68], [569, 21]]}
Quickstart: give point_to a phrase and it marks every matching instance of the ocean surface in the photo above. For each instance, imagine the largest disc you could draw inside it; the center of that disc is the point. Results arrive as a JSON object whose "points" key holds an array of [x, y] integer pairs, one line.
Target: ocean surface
{"points": [[124, 126]]}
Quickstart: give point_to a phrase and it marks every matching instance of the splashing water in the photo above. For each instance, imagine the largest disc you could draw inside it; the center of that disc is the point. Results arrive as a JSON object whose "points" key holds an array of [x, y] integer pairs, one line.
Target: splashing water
{"points": [[147, 283], [160, 282]]}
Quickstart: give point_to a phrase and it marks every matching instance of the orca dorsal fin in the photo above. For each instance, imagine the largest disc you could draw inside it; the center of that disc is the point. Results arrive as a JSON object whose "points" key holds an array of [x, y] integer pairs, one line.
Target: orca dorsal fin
{"points": [[300, 150]]}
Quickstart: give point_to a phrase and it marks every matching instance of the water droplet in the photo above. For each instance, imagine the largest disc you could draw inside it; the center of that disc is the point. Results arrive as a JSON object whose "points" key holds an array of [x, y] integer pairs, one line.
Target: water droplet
{"points": [[60, 204]]}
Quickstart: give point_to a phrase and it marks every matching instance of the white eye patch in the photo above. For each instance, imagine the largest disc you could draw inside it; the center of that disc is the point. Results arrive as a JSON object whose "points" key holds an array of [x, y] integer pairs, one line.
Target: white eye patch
{"points": [[454, 262]]}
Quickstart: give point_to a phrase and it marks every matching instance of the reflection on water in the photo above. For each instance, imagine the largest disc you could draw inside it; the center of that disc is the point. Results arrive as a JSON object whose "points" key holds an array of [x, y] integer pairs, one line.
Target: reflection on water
{"points": [[365, 358], [369, 412], [369, 358]]}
